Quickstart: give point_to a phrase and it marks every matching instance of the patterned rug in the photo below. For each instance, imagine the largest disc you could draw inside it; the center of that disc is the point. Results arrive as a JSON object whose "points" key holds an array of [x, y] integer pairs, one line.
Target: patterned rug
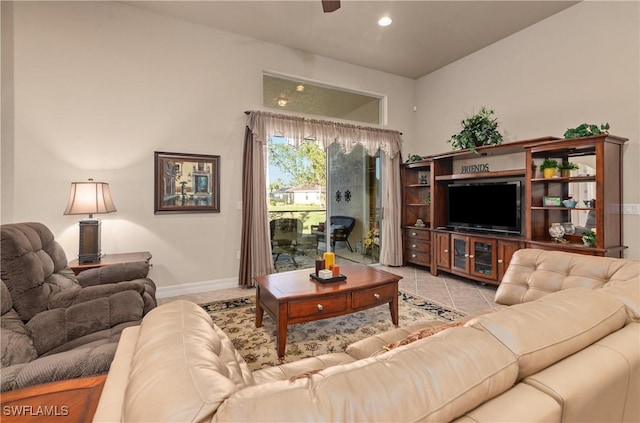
{"points": [[257, 345]]}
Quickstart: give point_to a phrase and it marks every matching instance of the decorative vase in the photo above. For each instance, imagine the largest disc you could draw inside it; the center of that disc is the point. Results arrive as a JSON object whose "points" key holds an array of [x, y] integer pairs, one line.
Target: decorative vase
{"points": [[565, 173], [556, 231], [549, 172], [569, 228]]}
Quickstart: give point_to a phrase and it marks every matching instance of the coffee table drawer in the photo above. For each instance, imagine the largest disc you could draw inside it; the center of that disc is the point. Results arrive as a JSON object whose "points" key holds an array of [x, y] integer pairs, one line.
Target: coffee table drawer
{"points": [[317, 307], [368, 297]]}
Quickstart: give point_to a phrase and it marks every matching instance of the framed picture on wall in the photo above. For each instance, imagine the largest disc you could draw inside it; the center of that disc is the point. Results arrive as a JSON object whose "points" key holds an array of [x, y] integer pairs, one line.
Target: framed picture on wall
{"points": [[186, 183]]}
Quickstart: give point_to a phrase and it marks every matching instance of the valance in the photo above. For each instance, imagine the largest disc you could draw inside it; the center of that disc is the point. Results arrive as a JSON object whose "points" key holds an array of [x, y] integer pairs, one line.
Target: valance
{"points": [[265, 125]]}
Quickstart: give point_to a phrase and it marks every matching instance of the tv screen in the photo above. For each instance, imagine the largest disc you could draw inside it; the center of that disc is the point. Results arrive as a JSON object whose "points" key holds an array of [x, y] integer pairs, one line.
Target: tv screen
{"points": [[485, 206]]}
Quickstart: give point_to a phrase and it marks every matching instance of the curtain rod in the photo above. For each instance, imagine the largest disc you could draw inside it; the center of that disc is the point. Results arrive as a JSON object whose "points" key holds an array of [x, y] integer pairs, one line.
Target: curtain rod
{"points": [[247, 112]]}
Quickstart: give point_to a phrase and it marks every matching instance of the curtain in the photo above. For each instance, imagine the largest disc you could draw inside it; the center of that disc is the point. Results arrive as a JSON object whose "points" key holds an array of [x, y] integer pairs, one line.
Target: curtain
{"points": [[255, 246], [255, 256], [391, 251]]}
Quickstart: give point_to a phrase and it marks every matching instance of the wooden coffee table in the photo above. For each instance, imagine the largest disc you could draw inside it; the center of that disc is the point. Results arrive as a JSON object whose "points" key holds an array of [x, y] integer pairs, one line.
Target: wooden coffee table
{"points": [[293, 297]]}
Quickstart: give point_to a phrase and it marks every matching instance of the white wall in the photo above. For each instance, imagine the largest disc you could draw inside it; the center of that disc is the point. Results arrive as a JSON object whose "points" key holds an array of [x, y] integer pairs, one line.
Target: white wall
{"points": [[580, 65], [94, 88]]}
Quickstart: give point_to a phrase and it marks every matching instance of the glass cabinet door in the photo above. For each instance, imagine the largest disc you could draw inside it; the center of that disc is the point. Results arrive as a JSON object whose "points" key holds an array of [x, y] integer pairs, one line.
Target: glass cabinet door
{"points": [[460, 253], [483, 258]]}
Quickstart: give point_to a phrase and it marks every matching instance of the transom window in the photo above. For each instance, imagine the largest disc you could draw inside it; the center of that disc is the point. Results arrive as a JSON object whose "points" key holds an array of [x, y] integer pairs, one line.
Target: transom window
{"points": [[297, 95]]}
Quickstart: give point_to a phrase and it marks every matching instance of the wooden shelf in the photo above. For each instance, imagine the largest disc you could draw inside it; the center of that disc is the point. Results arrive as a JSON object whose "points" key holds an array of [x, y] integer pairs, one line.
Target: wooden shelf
{"points": [[589, 178], [561, 208]]}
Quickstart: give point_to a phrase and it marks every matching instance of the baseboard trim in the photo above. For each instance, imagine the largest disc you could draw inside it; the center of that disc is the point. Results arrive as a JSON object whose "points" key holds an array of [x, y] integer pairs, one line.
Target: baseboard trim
{"points": [[195, 287]]}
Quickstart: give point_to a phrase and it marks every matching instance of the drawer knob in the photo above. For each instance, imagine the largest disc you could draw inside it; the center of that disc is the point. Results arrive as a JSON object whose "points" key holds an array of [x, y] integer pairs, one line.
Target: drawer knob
{"points": [[446, 251], [413, 234], [320, 308], [376, 296], [413, 256], [471, 256], [500, 261], [413, 246]]}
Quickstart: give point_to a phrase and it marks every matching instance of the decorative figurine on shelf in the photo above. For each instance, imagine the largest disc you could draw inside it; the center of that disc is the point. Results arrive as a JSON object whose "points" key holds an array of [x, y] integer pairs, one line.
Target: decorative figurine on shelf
{"points": [[569, 228], [557, 232], [419, 223]]}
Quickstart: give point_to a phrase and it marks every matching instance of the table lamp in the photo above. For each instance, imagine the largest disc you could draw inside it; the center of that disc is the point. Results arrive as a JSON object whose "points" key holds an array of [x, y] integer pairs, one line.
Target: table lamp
{"points": [[89, 198]]}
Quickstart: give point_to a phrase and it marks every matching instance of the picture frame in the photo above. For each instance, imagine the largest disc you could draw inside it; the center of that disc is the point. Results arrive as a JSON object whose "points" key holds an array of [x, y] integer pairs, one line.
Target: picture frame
{"points": [[186, 183], [551, 201]]}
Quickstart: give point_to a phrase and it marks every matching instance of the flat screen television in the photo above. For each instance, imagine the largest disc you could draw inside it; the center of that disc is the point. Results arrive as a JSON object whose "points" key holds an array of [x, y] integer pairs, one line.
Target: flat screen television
{"points": [[486, 206]]}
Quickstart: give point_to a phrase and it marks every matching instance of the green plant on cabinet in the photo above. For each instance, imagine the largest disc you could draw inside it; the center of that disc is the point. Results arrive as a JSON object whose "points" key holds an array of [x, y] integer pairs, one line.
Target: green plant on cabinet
{"points": [[477, 130], [586, 130]]}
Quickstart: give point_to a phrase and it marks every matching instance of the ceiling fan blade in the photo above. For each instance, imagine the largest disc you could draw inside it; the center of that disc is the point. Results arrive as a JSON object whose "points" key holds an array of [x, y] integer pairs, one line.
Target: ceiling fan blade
{"points": [[330, 5]]}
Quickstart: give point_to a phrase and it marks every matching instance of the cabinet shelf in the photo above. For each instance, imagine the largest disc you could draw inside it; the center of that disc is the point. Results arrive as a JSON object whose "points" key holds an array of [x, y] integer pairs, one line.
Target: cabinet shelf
{"points": [[417, 204], [561, 208], [589, 178], [417, 186]]}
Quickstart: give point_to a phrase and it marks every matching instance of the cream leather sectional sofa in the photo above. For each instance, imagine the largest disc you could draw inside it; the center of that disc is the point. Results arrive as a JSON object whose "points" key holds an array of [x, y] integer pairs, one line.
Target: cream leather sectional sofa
{"points": [[566, 349]]}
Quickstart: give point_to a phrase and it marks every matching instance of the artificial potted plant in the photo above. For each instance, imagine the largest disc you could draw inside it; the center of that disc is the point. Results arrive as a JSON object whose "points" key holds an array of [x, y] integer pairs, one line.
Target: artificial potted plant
{"points": [[586, 130], [589, 238], [479, 129], [566, 168], [548, 168]]}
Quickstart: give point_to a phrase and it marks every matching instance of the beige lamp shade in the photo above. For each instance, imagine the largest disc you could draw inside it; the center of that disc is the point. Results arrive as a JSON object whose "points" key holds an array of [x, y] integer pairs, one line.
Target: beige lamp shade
{"points": [[90, 197]]}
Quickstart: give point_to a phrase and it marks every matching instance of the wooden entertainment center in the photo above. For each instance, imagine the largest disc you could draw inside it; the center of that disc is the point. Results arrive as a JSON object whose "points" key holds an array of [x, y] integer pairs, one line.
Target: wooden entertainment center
{"points": [[484, 256]]}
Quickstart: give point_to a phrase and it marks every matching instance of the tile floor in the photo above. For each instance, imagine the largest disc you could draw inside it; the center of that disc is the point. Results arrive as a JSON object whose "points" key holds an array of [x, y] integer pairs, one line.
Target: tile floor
{"points": [[462, 294]]}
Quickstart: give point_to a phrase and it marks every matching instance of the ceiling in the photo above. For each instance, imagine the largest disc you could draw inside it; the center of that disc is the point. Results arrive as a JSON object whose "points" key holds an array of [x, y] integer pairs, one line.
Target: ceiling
{"points": [[424, 35]]}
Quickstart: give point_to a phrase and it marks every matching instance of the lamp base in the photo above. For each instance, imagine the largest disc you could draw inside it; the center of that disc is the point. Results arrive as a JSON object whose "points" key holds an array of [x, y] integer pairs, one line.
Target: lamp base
{"points": [[89, 250]]}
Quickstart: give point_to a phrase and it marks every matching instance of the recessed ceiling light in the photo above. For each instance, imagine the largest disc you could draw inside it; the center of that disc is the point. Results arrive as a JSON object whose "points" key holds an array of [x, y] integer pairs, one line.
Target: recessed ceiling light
{"points": [[385, 21], [300, 88], [282, 101]]}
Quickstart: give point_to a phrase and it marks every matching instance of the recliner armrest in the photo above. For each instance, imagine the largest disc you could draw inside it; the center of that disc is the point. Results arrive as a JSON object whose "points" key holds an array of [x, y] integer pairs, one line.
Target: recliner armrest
{"points": [[65, 299], [52, 328], [114, 273]]}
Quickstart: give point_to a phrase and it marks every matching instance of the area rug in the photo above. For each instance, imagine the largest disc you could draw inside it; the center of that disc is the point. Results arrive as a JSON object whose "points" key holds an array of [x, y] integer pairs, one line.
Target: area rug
{"points": [[257, 345]]}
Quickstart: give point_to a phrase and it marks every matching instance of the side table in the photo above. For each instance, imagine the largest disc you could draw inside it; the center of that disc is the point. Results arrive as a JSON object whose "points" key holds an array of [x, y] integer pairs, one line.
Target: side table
{"points": [[72, 400], [110, 259]]}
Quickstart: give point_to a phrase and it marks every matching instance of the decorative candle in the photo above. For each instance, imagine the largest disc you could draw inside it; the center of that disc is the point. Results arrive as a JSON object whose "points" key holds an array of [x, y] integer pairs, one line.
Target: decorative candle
{"points": [[336, 270], [329, 260]]}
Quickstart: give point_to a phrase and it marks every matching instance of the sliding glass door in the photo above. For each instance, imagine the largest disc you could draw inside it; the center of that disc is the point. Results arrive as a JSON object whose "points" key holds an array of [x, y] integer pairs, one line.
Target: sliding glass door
{"points": [[353, 203], [322, 201]]}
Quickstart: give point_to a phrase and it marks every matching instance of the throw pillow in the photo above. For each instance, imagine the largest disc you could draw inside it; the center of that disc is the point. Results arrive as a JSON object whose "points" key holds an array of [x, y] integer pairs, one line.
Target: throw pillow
{"points": [[422, 333]]}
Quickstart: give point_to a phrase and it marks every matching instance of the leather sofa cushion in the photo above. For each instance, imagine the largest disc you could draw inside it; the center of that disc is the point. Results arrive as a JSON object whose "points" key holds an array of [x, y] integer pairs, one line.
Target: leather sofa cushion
{"points": [[627, 291], [112, 398], [543, 332], [534, 273], [435, 379], [183, 367], [300, 367], [605, 373], [522, 403]]}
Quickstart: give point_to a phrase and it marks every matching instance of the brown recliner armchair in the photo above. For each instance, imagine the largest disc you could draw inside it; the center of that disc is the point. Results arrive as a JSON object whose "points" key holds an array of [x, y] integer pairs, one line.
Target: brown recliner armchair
{"points": [[55, 325]]}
